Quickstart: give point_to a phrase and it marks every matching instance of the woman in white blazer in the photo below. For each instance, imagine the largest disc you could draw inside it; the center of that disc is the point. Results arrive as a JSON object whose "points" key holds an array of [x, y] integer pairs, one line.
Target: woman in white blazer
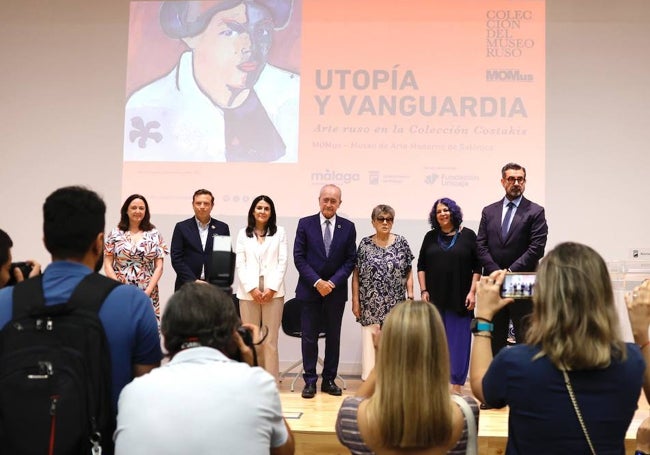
{"points": [[261, 265]]}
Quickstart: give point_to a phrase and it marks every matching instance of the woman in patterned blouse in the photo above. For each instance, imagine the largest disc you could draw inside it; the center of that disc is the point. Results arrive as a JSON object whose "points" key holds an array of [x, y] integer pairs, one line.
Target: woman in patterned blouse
{"points": [[134, 251], [382, 278]]}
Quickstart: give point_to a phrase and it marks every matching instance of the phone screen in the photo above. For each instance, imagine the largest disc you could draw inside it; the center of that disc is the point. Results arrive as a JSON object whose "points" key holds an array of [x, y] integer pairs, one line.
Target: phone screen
{"points": [[518, 285]]}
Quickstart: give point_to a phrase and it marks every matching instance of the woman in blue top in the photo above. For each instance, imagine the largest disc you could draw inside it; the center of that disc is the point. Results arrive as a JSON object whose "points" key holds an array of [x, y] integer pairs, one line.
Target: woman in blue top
{"points": [[574, 385]]}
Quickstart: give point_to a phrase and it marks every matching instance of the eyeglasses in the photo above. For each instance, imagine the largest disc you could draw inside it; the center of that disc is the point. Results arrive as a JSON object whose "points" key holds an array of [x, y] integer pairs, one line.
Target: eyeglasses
{"points": [[381, 219], [519, 180]]}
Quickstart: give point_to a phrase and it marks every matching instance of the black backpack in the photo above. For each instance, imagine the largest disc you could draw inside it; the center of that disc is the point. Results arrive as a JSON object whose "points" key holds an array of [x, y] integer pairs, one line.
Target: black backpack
{"points": [[55, 373]]}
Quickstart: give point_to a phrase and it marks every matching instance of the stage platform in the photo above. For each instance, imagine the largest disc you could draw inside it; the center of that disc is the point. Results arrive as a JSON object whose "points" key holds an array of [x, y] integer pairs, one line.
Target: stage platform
{"points": [[312, 421]]}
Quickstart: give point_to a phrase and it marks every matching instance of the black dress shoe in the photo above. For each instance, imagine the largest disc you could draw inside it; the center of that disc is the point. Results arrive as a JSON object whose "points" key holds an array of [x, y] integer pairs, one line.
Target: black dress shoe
{"points": [[309, 391], [329, 386], [484, 406]]}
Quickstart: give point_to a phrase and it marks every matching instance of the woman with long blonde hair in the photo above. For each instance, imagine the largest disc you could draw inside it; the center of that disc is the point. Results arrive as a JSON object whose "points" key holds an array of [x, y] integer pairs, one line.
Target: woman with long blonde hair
{"points": [[405, 404], [574, 385]]}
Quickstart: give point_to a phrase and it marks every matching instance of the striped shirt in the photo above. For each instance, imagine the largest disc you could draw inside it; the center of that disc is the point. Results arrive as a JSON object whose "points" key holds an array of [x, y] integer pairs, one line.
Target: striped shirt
{"points": [[347, 427]]}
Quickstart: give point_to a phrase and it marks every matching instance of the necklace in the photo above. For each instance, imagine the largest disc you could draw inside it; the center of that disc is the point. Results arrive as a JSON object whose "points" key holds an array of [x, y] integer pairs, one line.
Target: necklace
{"points": [[258, 234], [442, 243]]}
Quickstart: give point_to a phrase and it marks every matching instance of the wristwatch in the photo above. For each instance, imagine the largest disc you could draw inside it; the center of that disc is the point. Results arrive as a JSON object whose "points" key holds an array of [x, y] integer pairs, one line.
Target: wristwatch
{"points": [[480, 325], [640, 452]]}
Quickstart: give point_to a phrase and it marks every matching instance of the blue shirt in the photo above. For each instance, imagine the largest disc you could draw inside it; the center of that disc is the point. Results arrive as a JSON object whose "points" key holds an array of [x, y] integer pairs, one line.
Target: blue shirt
{"points": [[542, 419], [127, 316]]}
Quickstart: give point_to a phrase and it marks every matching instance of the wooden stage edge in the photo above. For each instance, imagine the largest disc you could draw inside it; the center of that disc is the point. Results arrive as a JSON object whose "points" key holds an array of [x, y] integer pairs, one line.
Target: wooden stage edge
{"points": [[312, 421]]}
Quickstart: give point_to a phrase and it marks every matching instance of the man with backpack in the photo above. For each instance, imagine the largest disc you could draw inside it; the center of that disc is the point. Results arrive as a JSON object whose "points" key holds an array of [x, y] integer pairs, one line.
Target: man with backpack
{"points": [[40, 348]]}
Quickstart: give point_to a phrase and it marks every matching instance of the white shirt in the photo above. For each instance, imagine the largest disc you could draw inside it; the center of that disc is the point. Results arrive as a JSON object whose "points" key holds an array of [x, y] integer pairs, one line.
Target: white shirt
{"points": [[200, 402]]}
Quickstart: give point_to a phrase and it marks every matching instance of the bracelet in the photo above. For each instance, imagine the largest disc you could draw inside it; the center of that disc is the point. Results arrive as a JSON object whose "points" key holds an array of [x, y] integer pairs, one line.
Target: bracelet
{"points": [[409, 297], [641, 346], [423, 291], [483, 334], [482, 319]]}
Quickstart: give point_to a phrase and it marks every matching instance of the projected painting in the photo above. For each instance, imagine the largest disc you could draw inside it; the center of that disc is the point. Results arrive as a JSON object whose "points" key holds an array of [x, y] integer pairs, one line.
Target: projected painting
{"points": [[223, 100], [396, 102]]}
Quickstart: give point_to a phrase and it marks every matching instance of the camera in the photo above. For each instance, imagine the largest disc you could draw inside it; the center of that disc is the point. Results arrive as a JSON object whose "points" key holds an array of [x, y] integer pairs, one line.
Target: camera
{"points": [[24, 267], [518, 285], [246, 336]]}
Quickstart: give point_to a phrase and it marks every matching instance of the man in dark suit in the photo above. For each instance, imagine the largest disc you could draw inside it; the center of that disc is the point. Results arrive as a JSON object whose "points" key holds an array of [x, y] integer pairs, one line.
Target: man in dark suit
{"points": [[512, 235], [192, 241], [324, 253]]}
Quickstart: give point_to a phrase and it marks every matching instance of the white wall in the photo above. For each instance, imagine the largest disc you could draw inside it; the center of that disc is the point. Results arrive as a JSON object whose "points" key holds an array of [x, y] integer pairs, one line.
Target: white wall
{"points": [[61, 110]]}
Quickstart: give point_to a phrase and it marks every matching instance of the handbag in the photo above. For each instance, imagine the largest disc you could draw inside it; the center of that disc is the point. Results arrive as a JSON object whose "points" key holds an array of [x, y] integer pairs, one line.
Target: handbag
{"points": [[578, 413], [472, 430]]}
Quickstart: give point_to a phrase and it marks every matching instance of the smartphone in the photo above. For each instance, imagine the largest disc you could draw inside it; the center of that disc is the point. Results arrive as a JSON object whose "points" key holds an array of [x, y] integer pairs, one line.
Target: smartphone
{"points": [[518, 285]]}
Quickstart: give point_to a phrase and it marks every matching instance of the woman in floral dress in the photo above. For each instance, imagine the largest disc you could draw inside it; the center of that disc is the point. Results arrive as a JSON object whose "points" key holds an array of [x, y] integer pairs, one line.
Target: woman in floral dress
{"points": [[135, 250], [382, 278]]}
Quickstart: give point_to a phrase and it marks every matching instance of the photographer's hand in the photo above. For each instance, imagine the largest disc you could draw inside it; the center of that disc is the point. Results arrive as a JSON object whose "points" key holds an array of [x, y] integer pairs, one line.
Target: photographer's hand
{"points": [[488, 298], [246, 351], [247, 354], [638, 307], [36, 268], [35, 271]]}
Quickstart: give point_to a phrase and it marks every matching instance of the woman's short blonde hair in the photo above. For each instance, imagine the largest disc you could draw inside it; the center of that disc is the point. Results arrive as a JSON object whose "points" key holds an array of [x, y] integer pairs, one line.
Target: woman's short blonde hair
{"points": [[574, 319], [411, 407]]}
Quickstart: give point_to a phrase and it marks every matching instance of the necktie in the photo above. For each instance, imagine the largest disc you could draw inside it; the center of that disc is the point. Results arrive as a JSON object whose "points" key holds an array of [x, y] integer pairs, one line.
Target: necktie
{"points": [[327, 237], [250, 133], [506, 219]]}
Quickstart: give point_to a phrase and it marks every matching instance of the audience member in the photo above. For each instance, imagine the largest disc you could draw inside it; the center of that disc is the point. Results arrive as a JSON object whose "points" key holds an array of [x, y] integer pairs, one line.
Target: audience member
{"points": [[7, 272], [405, 405], [574, 385], [73, 232], [643, 438], [382, 277], [261, 265], [202, 401], [448, 270], [511, 235], [324, 253], [638, 306], [192, 240], [134, 252]]}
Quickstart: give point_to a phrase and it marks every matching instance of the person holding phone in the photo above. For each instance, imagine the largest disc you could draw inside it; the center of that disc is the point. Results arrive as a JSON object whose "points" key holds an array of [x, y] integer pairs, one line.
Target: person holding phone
{"points": [[574, 385], [448, 270]]}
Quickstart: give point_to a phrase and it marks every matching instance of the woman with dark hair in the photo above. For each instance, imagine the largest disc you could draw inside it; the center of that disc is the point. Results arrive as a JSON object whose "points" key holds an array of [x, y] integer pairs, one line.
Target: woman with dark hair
{"points": [[134, 251], [574, 385], [448, 270], [261, 265]]}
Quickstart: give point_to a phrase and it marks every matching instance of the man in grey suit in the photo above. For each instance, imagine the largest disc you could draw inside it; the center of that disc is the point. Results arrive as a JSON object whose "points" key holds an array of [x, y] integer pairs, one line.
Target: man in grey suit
{"points": [[324, 253], [512, 235], [192, 240]]}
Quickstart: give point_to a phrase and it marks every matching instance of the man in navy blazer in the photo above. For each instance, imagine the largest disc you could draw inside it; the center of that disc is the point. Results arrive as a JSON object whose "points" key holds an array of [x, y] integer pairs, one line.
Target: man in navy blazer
{"points": [[323, 285], [518, 251], [192, 240]]}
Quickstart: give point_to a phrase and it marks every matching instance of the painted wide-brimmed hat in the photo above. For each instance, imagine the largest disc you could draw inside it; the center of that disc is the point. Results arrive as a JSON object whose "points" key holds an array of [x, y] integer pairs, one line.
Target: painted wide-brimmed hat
{"points": [[185, 19]]}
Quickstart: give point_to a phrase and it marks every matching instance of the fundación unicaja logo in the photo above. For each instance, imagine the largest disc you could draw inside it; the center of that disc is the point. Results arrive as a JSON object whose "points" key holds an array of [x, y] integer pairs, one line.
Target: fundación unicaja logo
{"points": [[431, 179]]}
